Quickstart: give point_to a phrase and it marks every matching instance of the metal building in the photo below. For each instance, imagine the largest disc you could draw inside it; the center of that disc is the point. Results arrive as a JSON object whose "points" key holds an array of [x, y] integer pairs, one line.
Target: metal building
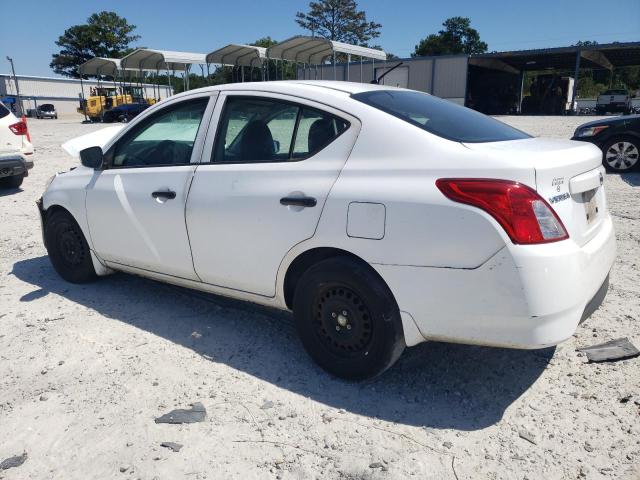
{"points": [[63, 93], [444, 76]]}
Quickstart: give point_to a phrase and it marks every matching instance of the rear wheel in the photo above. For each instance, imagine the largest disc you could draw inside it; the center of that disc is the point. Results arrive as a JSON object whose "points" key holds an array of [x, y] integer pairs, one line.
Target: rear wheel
{"points": [[347, 319], [11, 182], [68, 249], [621, 154]]}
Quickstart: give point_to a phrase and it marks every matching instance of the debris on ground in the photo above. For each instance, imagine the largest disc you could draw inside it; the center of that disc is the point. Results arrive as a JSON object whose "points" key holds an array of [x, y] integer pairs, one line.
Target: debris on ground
{"points": [[267, 405], [618, 349], [528, 436], [13, 462], [195, 414], [172, 445]]}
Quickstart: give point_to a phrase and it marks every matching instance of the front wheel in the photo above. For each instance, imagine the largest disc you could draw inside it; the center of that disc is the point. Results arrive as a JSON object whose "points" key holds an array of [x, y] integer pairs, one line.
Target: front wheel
{"points": [[11, 182], [68, 249], [621, 154], [347, 319]]}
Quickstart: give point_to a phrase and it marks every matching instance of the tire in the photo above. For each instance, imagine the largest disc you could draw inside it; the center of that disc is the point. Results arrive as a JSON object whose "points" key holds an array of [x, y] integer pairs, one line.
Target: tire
{"points": [[347, 319], [621, 154], [11, 182], [68, 249]]}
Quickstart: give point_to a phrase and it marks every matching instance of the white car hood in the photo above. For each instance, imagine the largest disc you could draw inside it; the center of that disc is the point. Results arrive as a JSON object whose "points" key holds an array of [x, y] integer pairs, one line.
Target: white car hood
{"points": [[99, 138]]}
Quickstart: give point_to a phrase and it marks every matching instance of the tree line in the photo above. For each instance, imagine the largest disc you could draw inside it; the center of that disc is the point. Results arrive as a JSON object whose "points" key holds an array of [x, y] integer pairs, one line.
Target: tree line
{"points": [[106, 34]]}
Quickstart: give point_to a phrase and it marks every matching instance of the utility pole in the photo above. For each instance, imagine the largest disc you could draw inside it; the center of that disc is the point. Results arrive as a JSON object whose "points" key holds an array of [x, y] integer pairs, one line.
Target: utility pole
{"points": [[15, 80]]}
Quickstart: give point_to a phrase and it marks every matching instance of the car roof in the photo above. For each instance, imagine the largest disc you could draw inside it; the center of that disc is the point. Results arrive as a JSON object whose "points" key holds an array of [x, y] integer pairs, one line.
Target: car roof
{"points": [[337, 88]]}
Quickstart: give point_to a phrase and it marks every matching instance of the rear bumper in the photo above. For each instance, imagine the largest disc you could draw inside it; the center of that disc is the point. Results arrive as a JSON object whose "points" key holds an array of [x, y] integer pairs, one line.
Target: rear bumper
{"points": [[14, 165], [523, 297]]}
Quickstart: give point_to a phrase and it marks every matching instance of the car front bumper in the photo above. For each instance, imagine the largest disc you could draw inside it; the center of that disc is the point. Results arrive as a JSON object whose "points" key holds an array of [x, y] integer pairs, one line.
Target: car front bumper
{"points": [[522, 297]]}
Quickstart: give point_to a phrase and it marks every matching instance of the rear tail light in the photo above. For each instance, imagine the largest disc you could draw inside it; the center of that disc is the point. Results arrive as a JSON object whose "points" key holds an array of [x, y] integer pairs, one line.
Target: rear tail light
{"points": [[20, 128], [523, 214]]}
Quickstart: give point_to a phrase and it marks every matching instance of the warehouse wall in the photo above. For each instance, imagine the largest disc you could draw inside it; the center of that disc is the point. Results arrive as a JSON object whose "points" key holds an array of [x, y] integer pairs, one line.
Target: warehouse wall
{"points": [[63, 93], [444, 76]]}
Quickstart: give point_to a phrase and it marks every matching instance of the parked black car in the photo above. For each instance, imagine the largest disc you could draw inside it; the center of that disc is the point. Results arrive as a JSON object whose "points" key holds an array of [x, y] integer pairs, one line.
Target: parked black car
{"points": [[124, 113], [617, 137]]}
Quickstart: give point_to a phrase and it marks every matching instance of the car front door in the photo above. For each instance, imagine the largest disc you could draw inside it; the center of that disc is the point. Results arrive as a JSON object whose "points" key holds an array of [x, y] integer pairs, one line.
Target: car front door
{"points": [[273, 161], [135, 207]]}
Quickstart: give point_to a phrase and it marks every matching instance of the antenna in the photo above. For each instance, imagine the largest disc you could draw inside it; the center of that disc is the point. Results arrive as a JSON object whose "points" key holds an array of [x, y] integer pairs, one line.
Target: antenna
{"points": [[377, 80]]}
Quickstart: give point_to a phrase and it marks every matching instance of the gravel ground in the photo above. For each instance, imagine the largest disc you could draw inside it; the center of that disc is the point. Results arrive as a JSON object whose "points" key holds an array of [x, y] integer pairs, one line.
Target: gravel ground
{"points": [[86, 369]]}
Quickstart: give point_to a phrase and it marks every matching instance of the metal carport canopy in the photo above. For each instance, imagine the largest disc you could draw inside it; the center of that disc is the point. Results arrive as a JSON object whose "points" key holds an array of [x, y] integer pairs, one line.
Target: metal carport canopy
{"points": [[148, 59], [608, 55], [315, 50], [100, 66], [238, 55]]}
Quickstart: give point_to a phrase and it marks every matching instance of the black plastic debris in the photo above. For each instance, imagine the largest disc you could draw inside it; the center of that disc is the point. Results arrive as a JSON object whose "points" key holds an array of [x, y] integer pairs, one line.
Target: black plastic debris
{"points": [[172, 445], [611, 351], [13, 462], [197, 413]]}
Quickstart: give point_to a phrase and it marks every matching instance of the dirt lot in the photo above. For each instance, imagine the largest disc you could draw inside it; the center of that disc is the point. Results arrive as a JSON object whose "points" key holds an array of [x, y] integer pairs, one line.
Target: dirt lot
{"points": [[84, 370]]}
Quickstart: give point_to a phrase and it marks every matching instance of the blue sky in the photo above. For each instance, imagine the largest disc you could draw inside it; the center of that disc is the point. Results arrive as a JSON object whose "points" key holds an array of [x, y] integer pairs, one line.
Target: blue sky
{"points": [[204, 25]]}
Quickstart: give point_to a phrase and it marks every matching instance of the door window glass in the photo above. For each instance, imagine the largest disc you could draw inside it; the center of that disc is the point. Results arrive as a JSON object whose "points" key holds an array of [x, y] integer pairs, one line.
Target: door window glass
{"points": [[164, 139], [262, 130], [315, 131]]}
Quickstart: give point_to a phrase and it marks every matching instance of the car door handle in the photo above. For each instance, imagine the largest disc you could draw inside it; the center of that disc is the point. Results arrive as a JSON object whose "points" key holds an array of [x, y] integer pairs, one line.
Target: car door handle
{"points": [[168, 194], [299, 201]]}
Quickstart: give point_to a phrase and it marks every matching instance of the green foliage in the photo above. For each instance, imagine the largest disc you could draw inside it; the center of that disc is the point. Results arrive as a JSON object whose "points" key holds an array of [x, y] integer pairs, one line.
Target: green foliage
{"points": [[339, 20], [457, 37], [586, 43], [104, 35]]}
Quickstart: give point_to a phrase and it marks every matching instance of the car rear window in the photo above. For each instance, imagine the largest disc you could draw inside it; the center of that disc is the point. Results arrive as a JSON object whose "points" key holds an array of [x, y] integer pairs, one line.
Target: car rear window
{"points": [[4, 111], [440, 117]]}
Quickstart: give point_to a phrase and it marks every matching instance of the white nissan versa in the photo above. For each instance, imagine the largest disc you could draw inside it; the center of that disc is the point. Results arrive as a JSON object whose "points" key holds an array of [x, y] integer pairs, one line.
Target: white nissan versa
{"points": [[382, 217]]}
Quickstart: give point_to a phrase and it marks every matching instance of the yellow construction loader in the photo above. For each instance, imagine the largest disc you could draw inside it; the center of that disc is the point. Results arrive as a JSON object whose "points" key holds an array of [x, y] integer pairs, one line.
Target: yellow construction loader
{"points": [[102, 99]]}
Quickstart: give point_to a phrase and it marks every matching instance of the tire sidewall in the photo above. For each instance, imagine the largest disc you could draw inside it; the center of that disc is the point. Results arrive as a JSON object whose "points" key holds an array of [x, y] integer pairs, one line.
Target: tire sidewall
{"points": [[387, 341], [55, 224]]}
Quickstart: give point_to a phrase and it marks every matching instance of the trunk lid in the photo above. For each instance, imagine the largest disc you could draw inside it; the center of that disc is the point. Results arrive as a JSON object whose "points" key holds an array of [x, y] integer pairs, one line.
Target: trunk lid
{"points": [[568, 175]]}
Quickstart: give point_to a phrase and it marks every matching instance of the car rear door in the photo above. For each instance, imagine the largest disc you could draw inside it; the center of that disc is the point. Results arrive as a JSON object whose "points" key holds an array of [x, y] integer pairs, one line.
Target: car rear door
{"points": [[273, 161], [135, 207]]}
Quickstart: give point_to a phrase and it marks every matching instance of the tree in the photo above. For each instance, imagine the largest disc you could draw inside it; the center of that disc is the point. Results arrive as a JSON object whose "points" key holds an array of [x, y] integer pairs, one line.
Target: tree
{"points": [[339, 20], [104, 35], [457, 37], [586, 43]]}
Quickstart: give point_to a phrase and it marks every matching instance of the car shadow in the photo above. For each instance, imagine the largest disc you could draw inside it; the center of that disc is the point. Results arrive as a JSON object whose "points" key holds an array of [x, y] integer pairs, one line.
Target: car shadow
{"points": [[632, 178], [9, 191], [435, 385]]}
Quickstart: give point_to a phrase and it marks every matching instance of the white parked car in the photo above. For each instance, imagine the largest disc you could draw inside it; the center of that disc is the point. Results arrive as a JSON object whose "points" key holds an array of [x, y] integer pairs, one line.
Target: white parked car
{"points": [[15, 149], [382, 217]]}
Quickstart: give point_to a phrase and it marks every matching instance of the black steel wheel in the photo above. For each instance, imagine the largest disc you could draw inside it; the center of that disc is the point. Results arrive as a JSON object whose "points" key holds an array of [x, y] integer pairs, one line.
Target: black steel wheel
{"points": [[68, 249], [347, 319]]}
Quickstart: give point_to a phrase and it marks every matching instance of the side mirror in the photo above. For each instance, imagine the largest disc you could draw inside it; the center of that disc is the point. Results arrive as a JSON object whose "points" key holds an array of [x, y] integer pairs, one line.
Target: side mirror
{"points": [[92, 157]]}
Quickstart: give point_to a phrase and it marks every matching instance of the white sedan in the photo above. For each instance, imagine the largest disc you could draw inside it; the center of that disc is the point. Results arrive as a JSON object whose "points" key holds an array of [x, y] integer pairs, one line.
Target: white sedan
{"points": [[382, 217]]}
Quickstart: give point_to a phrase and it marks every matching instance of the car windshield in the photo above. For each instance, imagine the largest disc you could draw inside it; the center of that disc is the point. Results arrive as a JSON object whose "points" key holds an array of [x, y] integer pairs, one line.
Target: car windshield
{"points": [[614, 92], [440, 117]]}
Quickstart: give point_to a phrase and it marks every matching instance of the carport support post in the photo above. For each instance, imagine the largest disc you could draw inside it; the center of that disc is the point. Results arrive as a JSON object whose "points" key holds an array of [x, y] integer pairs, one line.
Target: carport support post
{"points": [[348, 62], [521, 91], [575, 80], [84, 102]]}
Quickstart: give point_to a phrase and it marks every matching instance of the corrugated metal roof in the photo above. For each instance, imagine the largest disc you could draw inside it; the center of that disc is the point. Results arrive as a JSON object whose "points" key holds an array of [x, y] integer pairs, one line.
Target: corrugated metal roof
{"points": [[238, 55], [148, 59], [315, 50]]}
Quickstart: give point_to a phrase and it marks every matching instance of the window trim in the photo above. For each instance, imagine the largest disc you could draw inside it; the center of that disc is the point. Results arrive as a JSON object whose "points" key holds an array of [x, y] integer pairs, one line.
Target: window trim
{"points": [[144, 121], [290, 159]]}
